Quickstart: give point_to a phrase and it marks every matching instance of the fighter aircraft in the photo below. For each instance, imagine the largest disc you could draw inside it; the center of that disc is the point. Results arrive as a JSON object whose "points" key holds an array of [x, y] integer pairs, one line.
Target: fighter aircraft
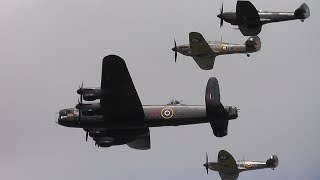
{"points": [[119, 118], [250, 21], [204, 53], [229, 169]]}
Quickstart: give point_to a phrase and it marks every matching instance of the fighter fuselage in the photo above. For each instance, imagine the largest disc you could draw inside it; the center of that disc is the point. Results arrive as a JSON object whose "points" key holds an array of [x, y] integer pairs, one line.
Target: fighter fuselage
{"points": [[265, 18], [219, 48]]}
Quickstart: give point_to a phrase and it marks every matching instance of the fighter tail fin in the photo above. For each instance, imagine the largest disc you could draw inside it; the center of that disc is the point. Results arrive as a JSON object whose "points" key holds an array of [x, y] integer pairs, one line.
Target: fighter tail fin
{"points": [[273, 162], [253, 43], [303, 12]]}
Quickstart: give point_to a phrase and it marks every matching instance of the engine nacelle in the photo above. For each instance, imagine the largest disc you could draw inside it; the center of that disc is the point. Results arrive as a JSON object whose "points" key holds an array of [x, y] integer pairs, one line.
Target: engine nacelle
{"points": [[90, 94], [89, 109], [105, 141]]}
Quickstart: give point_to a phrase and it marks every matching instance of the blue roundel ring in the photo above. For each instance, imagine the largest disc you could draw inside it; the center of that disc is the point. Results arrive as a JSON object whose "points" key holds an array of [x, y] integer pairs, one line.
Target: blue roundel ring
{"points": [[223, 157]]}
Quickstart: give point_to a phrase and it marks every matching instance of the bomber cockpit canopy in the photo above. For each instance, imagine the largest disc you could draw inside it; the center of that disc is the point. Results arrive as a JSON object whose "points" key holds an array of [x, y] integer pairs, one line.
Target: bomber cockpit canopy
{"points": [[174, 102]]}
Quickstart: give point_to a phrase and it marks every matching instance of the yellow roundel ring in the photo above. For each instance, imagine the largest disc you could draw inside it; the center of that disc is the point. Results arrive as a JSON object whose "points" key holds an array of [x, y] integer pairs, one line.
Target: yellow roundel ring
{"points": [[248, 165], [224, 48], [167, 113]]}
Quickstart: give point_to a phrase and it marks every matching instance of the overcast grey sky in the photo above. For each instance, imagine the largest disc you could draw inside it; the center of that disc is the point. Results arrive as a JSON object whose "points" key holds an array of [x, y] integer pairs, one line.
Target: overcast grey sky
{"points": [[48, 47]]}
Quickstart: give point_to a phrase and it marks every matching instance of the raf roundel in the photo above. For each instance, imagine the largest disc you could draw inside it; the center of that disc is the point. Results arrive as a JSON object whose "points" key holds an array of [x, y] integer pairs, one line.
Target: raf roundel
{"points": [[247, 164], [167, 113], [223, 157], [224, 48], [195, 40]]}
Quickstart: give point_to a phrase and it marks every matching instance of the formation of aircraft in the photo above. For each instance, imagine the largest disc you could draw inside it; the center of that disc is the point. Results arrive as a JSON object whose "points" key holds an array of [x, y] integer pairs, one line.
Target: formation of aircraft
{"points": [[250, 20], [119, 118], [113, 114], [229, 168], [204, 53]]}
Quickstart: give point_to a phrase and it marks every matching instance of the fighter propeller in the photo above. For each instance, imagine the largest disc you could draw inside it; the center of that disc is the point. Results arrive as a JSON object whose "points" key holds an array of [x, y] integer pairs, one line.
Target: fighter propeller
{"points": [[221, 12], [175, 49], [206, 164]]}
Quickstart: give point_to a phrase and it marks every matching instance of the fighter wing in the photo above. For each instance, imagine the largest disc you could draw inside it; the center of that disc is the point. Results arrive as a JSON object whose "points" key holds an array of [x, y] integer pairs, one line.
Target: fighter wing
{"points": [[205, 63], [120, 102], [226, 163], [201, 51], [250, 31], [247, 13]]}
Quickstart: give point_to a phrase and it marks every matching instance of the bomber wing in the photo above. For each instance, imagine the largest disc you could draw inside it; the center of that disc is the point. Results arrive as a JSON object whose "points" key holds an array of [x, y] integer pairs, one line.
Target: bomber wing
{"points": [[120, 101], [227, 165], [142, 142], [201, 51]]}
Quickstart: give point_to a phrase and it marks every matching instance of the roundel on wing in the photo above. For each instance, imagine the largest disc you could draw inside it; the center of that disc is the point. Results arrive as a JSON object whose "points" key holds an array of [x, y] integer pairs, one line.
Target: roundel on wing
{"points": [[223, 157], [195, 40], [167, 113]]}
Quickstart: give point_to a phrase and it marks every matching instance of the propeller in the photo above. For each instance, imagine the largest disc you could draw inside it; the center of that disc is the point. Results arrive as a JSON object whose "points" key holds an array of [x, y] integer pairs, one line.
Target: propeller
{"points": [[207, 165], [175, 51], [221, 12], [80, 91], [87, 134], [78, 106]]}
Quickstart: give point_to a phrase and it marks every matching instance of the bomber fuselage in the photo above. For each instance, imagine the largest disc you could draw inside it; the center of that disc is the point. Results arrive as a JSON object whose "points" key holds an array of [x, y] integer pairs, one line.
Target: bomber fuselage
{"points": [[155, 116]]}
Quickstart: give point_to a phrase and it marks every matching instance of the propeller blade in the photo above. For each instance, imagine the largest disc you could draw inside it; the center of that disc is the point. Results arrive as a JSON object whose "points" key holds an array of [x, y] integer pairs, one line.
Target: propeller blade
{"points": [[207, 165], [78, 106], [175, 52], [87, 133], [221, 12]]}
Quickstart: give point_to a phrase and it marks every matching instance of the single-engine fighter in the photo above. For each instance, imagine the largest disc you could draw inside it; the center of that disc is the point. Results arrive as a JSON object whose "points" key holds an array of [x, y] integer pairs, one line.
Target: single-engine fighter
{"points": [[229, 169], [119, 118], [250, 21], [204, 53]]}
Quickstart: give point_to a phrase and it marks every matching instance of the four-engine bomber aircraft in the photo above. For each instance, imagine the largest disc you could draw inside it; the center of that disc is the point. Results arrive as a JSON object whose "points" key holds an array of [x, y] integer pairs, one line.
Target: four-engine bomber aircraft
{"points": [[250, 21], [204, 53], [119, 118], [229, 169]]}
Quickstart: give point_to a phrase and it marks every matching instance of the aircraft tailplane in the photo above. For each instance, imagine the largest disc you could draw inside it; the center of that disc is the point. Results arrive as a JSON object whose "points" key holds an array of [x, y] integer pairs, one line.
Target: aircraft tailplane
{"points": [[303, 12], [253, 43], [273, 162]]}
